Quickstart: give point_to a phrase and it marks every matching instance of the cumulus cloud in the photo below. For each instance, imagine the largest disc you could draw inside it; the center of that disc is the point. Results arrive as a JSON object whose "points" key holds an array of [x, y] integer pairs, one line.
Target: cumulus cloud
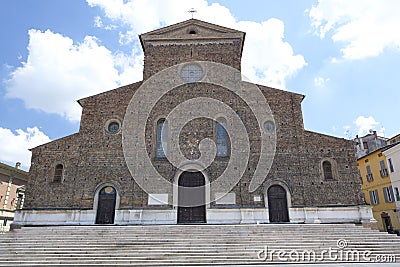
{"points": [[14, 146], [146, 15], [320, 81], [131, 66], [98, 22], [364, 27], [267, 58], [58, 72], [365, 124]]}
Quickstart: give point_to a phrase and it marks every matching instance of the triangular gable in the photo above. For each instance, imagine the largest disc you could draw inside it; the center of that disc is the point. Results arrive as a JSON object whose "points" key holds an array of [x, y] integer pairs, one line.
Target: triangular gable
{"points": [[192, 24], [192, 29]]}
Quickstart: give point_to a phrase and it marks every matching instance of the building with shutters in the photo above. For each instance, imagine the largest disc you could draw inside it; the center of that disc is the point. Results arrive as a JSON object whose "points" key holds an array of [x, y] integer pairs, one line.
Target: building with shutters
{"points": [[392, 154], [12, 193], [101, 175], [376, 169]]}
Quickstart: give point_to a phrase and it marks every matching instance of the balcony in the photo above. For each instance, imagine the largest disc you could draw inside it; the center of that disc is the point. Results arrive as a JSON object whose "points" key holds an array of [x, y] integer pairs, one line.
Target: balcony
{"points": [[370, 178]]}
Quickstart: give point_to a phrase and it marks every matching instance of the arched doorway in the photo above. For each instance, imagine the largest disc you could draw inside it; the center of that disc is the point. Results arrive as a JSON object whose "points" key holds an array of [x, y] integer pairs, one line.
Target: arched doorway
{"points": [[106, 205], [191, 198], [277, 204]]}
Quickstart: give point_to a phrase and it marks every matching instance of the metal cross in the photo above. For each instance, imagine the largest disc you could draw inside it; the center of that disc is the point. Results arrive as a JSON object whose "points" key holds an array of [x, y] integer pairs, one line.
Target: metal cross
{"points": [[192, 11]]}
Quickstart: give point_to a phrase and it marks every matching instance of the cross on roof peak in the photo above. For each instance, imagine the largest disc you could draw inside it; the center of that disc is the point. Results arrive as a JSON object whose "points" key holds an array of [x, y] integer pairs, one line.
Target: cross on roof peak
{"points": [[192, 11]]}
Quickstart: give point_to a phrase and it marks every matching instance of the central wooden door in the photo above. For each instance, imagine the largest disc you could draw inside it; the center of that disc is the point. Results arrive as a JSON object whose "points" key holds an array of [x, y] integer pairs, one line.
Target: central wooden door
{"points": [[106, 206], [191, 198], [277, 204]]}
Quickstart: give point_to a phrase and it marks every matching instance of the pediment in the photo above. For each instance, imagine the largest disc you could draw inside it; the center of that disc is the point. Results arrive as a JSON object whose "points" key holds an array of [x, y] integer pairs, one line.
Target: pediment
{"points": [[192, 29]]}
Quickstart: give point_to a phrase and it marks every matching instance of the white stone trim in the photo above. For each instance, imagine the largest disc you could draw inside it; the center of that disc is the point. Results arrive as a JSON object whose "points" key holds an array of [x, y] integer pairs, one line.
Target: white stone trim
{"points": [[225, 198], [157, 199], [349, 214]]}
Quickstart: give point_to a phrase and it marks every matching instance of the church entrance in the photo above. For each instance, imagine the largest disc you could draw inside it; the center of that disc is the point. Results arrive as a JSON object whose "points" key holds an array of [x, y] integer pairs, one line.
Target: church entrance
{"points": [[106, 205], [191, 198], [277, 204]]}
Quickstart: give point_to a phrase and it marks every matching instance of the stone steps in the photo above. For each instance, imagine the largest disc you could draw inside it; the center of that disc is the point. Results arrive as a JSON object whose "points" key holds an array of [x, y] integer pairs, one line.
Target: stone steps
{"points": [[178, 245]]}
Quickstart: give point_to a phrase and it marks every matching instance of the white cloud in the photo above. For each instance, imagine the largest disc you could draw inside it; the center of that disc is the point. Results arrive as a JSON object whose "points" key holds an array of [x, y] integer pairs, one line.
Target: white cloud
{"points": [[98, 22], [267, 58], [364, 27], [131, 66], [14, 146], [365, 124], [320, 81], [58, 72], [145, 15]]}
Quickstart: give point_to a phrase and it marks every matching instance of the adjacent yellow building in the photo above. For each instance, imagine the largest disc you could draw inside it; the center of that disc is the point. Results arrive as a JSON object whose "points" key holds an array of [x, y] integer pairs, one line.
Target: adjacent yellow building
{"points": [[378, 190]]}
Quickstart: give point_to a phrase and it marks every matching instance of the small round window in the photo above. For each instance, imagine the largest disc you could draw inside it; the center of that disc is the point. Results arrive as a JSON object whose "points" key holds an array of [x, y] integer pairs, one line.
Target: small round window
{"points": [[113, 127], [191, 73], [269, 126]]}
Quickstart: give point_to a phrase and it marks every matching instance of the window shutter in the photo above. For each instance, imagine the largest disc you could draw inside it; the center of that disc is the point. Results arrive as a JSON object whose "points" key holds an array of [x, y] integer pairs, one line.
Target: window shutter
{"points": [[376, 196], [391, 194], [382, 163], [371, 197], [397, 194], [385, 194], [368, 169]]}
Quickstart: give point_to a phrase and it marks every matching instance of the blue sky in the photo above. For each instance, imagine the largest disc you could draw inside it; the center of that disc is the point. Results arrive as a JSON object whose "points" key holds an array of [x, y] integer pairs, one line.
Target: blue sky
{"points": [[343, 55]]}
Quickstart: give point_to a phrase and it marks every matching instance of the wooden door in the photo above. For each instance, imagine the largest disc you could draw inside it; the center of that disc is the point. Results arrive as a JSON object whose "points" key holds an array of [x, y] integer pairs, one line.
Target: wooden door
{"points": [[106, 206], [277, 204], [191, 198]]}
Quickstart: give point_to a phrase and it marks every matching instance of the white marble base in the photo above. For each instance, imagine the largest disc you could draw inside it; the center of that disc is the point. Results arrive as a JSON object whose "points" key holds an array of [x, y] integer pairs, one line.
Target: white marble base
{"points": [[354, 214]]}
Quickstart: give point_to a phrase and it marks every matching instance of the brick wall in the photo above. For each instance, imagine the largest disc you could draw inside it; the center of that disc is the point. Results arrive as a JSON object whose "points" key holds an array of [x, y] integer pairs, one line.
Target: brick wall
{"points": [[94, 155]]}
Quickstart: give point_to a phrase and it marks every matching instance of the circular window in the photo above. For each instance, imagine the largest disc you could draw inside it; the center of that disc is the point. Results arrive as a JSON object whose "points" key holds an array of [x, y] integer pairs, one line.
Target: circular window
{"points": [[113, 127], [191, 73], [269, 126]]}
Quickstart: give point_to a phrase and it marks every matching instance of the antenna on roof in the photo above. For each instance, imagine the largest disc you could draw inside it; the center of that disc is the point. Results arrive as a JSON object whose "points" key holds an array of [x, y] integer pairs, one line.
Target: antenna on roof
{"points": [[192, 11]]}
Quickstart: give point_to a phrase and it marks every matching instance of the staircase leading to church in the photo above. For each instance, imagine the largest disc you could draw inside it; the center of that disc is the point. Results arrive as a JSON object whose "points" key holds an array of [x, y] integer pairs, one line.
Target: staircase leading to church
{"points": [[174, 245]]}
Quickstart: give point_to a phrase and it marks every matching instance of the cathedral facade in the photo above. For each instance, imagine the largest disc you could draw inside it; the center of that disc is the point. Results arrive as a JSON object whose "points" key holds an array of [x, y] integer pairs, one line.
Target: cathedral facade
{"points": [[193, 143]]}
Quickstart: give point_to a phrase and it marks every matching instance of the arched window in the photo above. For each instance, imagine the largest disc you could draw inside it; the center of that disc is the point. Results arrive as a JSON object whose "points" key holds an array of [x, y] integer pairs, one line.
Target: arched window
{"points": [[327, 168], [58, 173], [162, 138], [221, 137]]}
